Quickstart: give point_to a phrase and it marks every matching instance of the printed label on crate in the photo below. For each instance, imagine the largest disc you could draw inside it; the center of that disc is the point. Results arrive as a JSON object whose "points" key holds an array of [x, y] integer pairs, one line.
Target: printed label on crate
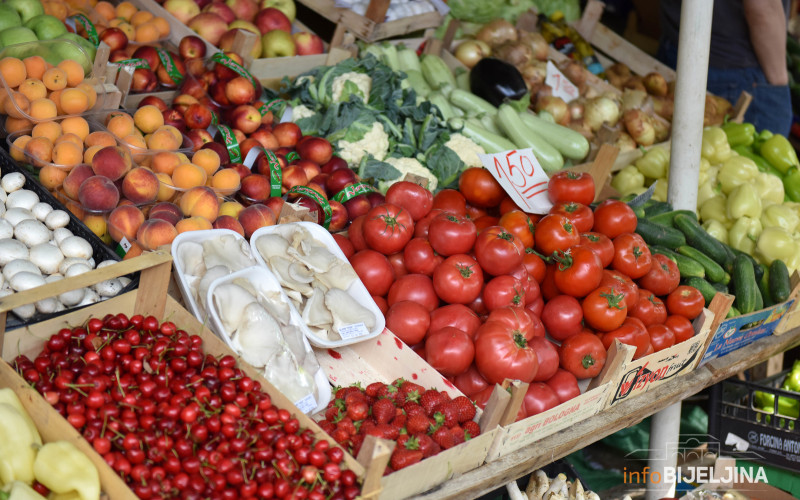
{"points": [[560, 84], [352, 331], [522, 177], [735, 333], [754, 440], [307, 404]]}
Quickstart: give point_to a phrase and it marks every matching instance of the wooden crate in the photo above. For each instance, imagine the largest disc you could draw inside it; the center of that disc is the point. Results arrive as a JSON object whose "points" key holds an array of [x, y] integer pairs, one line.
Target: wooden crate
{"points": [[270, 72]]}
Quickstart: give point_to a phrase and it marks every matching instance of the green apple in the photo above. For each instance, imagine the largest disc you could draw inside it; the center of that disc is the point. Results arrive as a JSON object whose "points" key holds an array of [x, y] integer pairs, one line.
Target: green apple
{"points": [[15, 35], [285, 6], [8, 17], [27, 9], [70, 51], [277, 43], [46, 27]]}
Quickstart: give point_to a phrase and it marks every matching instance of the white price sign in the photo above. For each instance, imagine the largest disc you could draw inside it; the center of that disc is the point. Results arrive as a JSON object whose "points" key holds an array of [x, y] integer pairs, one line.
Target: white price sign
{"points": [[523, 178], [560, 84]]}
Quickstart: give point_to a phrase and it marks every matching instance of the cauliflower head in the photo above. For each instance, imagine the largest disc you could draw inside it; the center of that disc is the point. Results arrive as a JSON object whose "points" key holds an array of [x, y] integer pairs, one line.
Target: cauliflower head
{"points": [[362, 82], [374, 142], [409, 166], [466, 149], [301, 111]]}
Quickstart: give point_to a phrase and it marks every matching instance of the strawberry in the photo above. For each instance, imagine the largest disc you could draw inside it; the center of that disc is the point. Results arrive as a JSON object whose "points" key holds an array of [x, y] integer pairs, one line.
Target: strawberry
{"points": [[458, 435], [465, 407], [366, 426], [399, 421], [388, 391], [327, 426], [340, 435], [402, 439], [383, 411], [472, 428], [374, 388], [414, 409], [429, 400], [334, 410], [387, 431], [409, 454], [443, 438], [416, 424], [427, 445], [355, 444], [446, 413], [357, 410], [354, 397], [340, 391], [407, 388], [347, 425]]}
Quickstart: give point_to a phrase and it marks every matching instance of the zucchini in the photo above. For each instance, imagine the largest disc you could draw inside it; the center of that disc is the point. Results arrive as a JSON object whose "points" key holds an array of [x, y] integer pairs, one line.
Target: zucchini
{"points": [[652, 207], [462, 80], [407, 59], [657, 234], [441, 102], [639, 211], [744, 284], [706, 288], [568, 142], [436, 72], [471, 103], [720, 287], [418, 83], [686, 265], [698, 238], [759, 300], [490, 142], [714, 271], [666, 218], [521, 135], [780, 287], [490, 124]]}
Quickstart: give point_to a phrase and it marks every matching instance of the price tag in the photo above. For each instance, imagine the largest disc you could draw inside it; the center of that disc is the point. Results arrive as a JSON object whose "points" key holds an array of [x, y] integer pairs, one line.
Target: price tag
{"points": [[522, 177], [123, 247], [307, 404], [560, 84], [352, 331]]}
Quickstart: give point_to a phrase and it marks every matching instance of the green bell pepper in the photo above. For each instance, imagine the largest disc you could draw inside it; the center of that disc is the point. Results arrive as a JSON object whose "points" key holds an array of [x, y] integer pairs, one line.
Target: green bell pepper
{"points": [[706, 191], [735, 171], [744, 234], [628, 180], [744, 201], [715, 147], [792, 381], [761, 138], [791, 184], [776, 243], [770, 188], [779, 152], [776, 215], [739, 134], [717, 230], [654, 163], [715, 209], [762, 164], [787, 407]]}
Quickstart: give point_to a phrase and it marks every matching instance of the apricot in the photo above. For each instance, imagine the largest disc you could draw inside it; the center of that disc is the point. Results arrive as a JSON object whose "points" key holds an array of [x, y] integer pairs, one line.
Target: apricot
{"points": [[40, 150], [13, 71], [99, 138], [17, 148], [162, 139], [200, 201], [33, 89], [193, 224], [73, 101], [17, 105], [70, 138], [73, 70], [121, 125], [148, 119], [166, 188], [67, 154], [43, 109], [17, 124], [226, 181], [35, 67], [207, 159], [51, 130], [51, 177], [165, 162], [188, 175], [97, 224], [231, 208], [55, 79], [76, 125], [90, 91]]}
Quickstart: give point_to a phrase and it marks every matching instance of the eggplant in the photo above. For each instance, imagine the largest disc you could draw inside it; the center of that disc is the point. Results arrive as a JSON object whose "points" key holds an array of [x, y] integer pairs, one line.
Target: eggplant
{"points": [[496, 81]]}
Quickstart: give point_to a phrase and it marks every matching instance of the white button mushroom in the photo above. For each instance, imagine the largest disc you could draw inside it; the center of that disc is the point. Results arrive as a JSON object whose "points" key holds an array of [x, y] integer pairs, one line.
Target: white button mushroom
{"points": [[106, 263], [70, 298], [11, 249], [89, 298], [18, 266], [108, 288], [46, 257], [69, 262], [12, 182], [124, 280], [76, 269], [75, 246], [24, 280], [46, 306], [6, 229], [60, 234], [22, 198], [16, 215], [57, 219], [31, 232], [41, 210]]}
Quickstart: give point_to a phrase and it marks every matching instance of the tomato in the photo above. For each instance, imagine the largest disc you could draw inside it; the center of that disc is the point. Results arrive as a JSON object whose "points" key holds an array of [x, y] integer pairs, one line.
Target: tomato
{"points": [[564, 384], [470, 382], [548, 285], [458, 280], [631, 255], [475, 213], [581, 215], [649, 308], [571, 186], [520, 225], [374, 270], [416, 288], [532, 291], [555, 232], [481, 398], [344, 245], [508, 204], [409, 321], [562, 317], [604, 309], [388, 228], [480, 188], [420, 350], [583, 355], [663, 277], [413, 197], [502, 352], [622, 283], [478, 307], [578, 271], [633, 333], [539, 398], [534, 264], [450, 200], [421, 226], [686, 301], [455, 315], [503, 291], [661, 337], [420, 257], [484, 222], [450, 351], [547, 356], [520, 319], [614, 217], [535, 307], [355, 233], [498, 251], [599, 244], [452, 234], [398, 263], [681, 327]]}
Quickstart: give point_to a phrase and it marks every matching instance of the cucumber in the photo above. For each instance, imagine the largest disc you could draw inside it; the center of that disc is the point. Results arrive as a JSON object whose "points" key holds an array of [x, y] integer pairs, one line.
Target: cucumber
{"points": [[639, 211], [780, 287], [714, 271], [418, 83], [744, 284], [568, 142], [657, 234], [763, 287], [759, 300], [706, 288], [698, 238], [653, 207], [490, 142], [732, 313], [757, 269], [720, 287], [666, 218], [522, 135], [462, 80], [687, 266]]}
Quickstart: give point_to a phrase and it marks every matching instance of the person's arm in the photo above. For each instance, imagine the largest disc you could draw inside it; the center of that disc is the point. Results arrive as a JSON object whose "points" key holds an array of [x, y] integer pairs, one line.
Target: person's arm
{"points": [[766, 21]]}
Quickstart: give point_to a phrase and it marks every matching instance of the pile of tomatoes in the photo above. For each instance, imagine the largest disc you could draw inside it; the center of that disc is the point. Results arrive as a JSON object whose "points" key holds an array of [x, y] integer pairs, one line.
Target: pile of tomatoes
{"points": [[484, 291]]}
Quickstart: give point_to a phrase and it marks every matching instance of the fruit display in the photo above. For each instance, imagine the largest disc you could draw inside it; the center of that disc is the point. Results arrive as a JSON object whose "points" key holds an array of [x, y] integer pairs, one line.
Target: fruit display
{"points": [[124, 23]]}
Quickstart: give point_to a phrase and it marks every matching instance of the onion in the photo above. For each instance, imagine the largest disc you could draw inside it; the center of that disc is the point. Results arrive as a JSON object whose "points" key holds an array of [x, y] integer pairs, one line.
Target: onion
{"points": [[633, 99], [575, 109], [663, 107], [625, 143], [617, 74], [634, 82], [516, 53], [536, 42], [576, 74], [655, 84], [661, 128], [497, 32], [534, 74], [583, 129], [555, 106], [469, 52], [600, 110], [639, 126]]}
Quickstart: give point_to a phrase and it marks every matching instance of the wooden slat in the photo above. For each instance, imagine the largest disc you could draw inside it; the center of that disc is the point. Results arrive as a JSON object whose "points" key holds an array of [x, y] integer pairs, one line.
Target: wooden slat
{"points": [[495, 408], [373, 456], [622, 50]]}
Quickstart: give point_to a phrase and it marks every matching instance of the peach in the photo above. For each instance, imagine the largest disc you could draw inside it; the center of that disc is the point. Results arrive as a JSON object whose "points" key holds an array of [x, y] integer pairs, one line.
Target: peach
{"points": [[200, 201], [89, 153], [73, 180], [196, 223], [231, 208], [256, 216], [112, 162], [124, 221], [99, 138], [167, 211], [154, 233], [98, 194], [256, 187], [165, 187], [52, 177], [140, 186], [228, 222], [165, 162]]}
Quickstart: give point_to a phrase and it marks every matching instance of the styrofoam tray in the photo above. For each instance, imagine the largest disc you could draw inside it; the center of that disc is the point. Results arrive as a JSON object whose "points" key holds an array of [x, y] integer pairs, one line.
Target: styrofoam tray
{"points": [[263, 280], [357, 290]]}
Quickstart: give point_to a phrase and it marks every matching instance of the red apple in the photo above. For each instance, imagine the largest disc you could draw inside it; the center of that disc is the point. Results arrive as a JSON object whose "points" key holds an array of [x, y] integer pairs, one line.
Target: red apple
{"points": [[272, 19], [192, 46], [287, 133], [149, 54], [339, 179], [266, 138], [241, 91], [197, 116], [246, 118], [244, 9], [144, 80], [222, 10], [359, 205], [308, 43], [335, 163], [277, 43], [339, 217], [115, 38], [199, 137], [152, 100], [293, 175], [175, 118], [256, 187], [209, 26], [316, 149]]}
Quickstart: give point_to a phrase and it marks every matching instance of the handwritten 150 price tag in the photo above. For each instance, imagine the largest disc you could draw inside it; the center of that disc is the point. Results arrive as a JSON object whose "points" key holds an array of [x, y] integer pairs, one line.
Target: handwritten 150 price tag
{"points": [[523, 178], [560, 84]]}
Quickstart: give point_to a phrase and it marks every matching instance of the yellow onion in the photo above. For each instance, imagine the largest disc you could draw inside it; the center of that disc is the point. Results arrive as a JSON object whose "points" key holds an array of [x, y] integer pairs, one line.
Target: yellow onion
{"points": [[497, 32]]}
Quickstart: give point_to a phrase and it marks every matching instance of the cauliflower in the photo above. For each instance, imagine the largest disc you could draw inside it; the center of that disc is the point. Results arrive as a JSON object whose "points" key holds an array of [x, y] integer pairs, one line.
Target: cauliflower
{"points": [[362, 83], [466, 149], [409, 166], [374, 142], [301, 111]]}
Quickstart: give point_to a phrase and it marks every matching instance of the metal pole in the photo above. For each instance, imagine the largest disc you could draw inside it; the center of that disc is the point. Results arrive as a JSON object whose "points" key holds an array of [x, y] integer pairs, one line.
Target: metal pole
{"points": [[687, 133]]}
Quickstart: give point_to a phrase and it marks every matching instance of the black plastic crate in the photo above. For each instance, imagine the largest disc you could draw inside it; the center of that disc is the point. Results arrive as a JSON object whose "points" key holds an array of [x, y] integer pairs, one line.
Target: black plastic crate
{"points": [[768, 439], [100, 251]]}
